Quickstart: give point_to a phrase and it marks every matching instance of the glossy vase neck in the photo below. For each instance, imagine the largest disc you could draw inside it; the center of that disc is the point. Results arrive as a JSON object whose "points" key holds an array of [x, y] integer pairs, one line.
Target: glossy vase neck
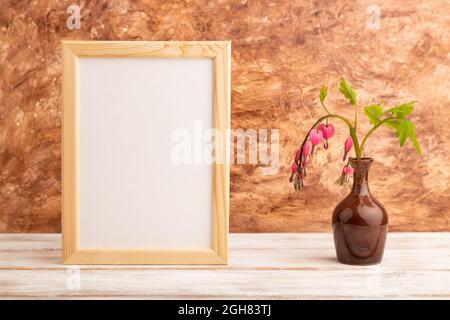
{"points": [[361, 176]]}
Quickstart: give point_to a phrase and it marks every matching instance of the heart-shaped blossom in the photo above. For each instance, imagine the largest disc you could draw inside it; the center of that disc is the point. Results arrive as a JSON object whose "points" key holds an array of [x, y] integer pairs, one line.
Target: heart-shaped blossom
{"points": [[347, 147], [316, 137], [294, 170], [327, 132], [347, 171], [298, 154], [306, 149]]}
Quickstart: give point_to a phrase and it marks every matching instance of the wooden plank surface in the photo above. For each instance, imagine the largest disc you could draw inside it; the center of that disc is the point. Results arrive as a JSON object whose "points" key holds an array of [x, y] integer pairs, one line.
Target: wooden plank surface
{"points": [[278, 266]]}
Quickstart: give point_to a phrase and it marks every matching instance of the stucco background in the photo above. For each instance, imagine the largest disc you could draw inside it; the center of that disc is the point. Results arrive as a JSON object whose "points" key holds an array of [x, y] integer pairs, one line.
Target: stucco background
{"points": [[283, 51]]}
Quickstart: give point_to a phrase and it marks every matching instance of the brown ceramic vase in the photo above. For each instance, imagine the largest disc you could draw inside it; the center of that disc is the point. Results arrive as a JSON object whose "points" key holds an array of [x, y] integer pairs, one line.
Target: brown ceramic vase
{"points": [[360, 222]]}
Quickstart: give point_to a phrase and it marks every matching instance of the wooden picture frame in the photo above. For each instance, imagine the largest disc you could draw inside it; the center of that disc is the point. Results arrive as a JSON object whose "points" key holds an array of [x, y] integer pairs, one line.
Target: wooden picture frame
{"points": [[72, 52]]}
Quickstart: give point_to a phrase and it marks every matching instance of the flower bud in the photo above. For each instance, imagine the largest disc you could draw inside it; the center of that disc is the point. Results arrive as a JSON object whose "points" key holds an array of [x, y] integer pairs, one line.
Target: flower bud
{"points": [[347, 147]]}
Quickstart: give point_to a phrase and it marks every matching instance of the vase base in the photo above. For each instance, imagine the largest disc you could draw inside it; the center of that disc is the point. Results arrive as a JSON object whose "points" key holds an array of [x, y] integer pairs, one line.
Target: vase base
{"points": [[359, 245], [355, 263]]}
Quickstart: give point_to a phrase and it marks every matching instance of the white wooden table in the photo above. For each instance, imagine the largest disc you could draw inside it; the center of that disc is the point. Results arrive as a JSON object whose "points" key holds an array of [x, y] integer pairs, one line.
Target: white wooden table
{"points": [[262, 266]]}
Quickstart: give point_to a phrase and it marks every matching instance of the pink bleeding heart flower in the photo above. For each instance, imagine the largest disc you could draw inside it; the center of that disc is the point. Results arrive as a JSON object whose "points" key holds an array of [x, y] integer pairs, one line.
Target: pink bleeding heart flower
{"points": [[304, 164], [306, 149], [316, 137], [327, 132], [297, 155], [294, 170], [348, 170], [347, 147], [345, 175]]}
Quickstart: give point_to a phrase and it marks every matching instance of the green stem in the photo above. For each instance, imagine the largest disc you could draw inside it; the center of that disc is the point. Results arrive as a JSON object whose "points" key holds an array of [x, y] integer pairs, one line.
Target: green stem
{"points": [[355, 143], [353, 134], [325, 108], [375, 127]]}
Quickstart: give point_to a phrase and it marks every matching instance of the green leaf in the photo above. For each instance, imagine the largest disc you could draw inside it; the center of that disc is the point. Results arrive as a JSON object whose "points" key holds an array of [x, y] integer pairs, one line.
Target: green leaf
{"points": [[403, 109], [323, 93], [374, 112], [392, 123], [347, 90], [416, 144], [405, 130]]}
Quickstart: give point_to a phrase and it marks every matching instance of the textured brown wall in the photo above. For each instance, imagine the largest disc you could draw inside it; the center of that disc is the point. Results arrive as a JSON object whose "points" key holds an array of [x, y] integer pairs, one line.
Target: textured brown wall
{"points": [[282, 53]]}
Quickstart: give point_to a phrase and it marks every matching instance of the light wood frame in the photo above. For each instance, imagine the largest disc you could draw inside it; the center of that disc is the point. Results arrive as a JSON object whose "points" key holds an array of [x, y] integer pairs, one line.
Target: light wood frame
{"points": [[220, 52]]}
